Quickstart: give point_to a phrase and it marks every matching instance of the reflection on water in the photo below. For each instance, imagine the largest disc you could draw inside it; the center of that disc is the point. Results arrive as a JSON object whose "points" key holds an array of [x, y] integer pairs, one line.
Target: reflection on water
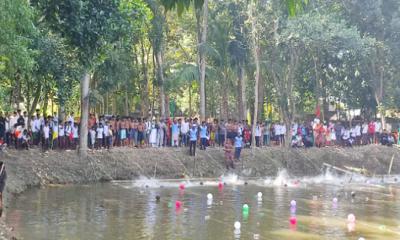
{"points": [[126, 210]]}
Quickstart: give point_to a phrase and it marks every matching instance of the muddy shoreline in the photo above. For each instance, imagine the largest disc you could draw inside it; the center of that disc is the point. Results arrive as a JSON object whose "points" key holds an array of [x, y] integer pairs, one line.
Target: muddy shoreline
{"points": [[30, 169]]}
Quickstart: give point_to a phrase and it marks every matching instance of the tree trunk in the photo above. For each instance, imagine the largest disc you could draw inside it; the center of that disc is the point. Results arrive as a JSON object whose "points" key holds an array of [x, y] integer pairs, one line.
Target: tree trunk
{"points": [[202, 61], [255, 49], [167, 110], [106, 104], [45, 103], [379, 98], [34, 103], [190, 99], [52, 104], [160, 71], [61, 112], [144, 93], [378, 76], [28, 105], [242, 93], [127, 103], [114, 104], [318, 89], [84, 114], [261, 97], [155, 91], [224, 99]]}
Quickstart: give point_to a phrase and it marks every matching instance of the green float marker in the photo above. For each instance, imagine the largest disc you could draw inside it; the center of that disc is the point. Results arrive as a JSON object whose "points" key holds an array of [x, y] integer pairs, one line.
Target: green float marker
{"points": [[169, 205], [245, 209], [245, 215]]}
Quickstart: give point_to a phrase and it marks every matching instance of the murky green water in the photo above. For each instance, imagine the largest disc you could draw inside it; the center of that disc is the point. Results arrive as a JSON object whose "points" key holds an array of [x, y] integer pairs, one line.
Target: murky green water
{"points": [[123, 211]]}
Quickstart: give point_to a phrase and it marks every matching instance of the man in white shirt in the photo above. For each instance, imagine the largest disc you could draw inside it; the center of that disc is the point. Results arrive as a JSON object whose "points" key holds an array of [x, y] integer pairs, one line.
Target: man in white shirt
{"points": [[364, 133], [357, 130], [100, 132], [92, 133], [13, 120], [68, 135], [378, 130], [294, 129], [147, 131], [277, 132], [25, 116], [283, 132], [353, 132], [46, 136], [61, 136], [240, 129], [346, 137], [106, 139], [70, 118], [36, 130], [75, 133], [184, 131], [258, 134], [7, 134]]}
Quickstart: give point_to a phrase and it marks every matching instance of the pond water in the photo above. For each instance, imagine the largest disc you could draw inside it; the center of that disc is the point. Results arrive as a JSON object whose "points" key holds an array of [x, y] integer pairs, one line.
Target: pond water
{"points": [[129, 210]]}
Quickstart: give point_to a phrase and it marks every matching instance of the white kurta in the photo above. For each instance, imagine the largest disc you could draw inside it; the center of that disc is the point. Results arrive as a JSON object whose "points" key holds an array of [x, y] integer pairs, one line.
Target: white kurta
{"points": [[153, 135]]}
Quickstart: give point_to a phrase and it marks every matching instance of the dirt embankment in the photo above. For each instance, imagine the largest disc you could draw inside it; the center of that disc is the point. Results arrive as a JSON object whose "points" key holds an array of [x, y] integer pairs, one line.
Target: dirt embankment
{"points": [[34, 169]]}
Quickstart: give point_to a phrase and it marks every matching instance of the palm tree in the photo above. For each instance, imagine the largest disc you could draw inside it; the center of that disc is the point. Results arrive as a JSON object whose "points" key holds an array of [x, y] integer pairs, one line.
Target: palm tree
{"points": [[256, 51], [202, 24], [157, 41]]}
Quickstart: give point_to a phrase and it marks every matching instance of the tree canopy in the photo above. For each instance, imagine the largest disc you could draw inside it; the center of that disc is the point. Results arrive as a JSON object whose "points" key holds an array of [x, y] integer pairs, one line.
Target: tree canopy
{"points": [[140, 55]]}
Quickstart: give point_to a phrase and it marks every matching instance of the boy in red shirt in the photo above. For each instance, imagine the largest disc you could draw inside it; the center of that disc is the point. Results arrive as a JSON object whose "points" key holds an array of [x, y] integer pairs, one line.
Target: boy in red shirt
{"points": [[371, 131]]}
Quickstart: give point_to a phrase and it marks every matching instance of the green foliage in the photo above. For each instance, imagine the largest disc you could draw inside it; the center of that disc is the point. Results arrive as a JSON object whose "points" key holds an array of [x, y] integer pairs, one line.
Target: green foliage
{"points": [[57, 61], [181, 5], [181, 75], [16, 34], [117, 69], [346, 52], [87, 25], [295, 6]]}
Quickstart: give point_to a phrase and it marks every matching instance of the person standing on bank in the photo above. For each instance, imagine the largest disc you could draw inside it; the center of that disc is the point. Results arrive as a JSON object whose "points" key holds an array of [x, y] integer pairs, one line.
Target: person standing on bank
{"points": [[203, 135], [238, 146], [228, 148], [3, 178], [193, 140]]}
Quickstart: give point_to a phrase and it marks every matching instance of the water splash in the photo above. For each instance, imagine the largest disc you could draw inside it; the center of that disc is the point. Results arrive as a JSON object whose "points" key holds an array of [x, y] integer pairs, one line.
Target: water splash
{"points": [[282, 179], [145, 182], [232, 179]]}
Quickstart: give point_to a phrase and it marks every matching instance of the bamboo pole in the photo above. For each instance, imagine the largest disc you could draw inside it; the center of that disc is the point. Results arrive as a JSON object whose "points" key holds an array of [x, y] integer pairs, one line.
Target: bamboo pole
{"points": [[391, 164]]}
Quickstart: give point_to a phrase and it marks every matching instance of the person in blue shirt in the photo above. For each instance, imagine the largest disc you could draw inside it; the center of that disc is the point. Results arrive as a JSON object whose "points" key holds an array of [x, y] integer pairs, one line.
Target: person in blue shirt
{"points": [[238, 146], [203, 135], [193, 140], [175, 134]]}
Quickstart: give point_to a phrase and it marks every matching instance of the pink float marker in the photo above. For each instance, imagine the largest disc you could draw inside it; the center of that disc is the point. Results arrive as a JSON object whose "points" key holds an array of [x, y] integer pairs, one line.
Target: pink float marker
{"points": [[293, 220], [178, 204], [220, 186], [182, 186]]}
